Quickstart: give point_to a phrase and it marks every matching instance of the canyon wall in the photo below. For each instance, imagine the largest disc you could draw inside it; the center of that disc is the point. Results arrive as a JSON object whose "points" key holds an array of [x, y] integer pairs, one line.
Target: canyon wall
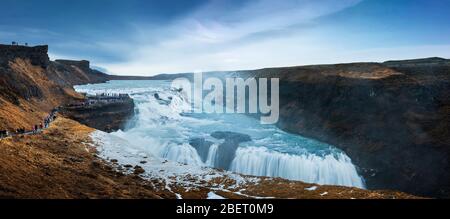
{"points": [[391, 118], [37, 55]]}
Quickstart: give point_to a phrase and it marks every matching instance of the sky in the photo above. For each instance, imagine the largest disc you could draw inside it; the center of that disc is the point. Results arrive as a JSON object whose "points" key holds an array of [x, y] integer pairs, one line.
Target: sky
{"points": [[137, 37]]}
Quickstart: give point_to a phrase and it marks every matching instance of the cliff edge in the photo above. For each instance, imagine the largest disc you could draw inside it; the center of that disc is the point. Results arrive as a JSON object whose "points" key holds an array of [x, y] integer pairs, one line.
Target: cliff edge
{"points": [[31, 85]]}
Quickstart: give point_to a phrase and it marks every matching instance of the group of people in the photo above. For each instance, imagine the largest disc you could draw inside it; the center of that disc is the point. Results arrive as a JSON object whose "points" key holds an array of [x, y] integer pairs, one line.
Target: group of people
{"points": [[109, 95], [3, 133], [20, 131], [50, 118], [103, 98], [36, 128]]}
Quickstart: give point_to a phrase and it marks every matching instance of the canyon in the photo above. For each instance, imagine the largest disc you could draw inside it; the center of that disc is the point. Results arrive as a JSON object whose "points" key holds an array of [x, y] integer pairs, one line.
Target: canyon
{"points": [[391, 119]]}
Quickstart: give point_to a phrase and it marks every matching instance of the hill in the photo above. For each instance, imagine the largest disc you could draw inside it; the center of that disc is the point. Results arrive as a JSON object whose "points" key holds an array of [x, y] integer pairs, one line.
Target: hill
{"points": [[31, 85]]}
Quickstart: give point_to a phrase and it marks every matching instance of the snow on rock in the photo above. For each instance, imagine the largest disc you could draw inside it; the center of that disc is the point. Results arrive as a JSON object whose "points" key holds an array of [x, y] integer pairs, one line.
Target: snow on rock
{"points": [[312, 188], [112, 147], [323, 194], [212, 195]]}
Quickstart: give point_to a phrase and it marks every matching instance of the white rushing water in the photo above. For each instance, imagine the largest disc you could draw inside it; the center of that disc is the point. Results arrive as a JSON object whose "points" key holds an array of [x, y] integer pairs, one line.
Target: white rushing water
{"points": [[162, 127]]}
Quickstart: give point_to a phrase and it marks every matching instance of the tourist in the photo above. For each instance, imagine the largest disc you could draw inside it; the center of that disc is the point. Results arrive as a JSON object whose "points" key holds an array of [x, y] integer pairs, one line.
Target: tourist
{"points": [[3, 133]]}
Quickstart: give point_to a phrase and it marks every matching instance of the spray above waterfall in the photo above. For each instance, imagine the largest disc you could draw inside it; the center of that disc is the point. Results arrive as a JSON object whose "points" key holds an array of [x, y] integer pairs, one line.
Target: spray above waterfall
{"points": [[224, 99]]}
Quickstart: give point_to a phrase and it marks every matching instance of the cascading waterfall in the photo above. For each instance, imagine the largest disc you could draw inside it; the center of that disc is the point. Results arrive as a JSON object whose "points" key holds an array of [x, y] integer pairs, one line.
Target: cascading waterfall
{"points": [[162, 128], [212, 154], [328, 170]]}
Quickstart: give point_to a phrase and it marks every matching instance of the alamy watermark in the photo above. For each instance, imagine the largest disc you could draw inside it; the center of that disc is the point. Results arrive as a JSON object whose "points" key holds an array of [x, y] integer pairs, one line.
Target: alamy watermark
{"points": [[238, 95]]}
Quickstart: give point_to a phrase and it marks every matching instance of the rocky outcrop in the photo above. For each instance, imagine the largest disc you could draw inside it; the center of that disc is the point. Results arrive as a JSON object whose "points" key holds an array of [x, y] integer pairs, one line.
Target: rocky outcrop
{"points": [[226, 151], [37, 55], [83, 65], [106, 115], [202, 147], [70, 72]]}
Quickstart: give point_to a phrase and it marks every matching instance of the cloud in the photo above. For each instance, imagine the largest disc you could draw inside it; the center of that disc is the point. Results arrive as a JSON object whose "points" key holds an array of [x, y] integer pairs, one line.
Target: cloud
{"points": [[212, 38]]}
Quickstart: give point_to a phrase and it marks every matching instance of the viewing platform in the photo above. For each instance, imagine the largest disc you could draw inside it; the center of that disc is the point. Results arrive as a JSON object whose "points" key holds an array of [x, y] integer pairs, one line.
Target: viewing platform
{"points": [[106, 112]]}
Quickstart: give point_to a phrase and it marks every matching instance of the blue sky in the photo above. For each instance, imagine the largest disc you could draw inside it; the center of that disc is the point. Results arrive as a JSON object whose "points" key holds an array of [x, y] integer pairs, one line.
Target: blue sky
{"points": [[149, 37]]}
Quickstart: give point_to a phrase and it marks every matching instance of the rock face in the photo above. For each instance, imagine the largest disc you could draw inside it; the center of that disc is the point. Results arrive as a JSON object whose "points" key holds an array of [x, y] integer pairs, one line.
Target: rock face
{"points": [[226, 151], [392, 119], [37, 55], [83, 64], [202, 147], [69, 73]]}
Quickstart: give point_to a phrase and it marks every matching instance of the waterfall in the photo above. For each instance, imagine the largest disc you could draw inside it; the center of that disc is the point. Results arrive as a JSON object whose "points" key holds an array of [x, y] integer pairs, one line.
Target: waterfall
{"points": [[327, 170], [162, 128], [212, 154]]}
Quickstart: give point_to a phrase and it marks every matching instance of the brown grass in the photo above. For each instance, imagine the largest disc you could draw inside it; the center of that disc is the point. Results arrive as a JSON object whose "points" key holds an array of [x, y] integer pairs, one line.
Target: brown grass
{"points": [[31, 112], [57, 164]]}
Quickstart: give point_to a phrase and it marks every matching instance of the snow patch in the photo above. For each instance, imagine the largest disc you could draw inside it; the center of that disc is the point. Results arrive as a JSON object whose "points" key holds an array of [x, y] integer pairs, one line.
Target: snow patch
{"points": [[212, 195], [312, 188], [168, 172]]}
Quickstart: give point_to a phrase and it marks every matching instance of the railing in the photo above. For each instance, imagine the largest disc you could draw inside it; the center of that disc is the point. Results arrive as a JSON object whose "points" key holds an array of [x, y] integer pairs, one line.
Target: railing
{"points": [[104, 98], [108, 96]]}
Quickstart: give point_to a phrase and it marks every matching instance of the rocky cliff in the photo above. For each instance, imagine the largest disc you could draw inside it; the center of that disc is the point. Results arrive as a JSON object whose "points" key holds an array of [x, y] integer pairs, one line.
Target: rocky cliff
{"points": [[391, 118], [31, 85], [37, 55], [70, 72]]}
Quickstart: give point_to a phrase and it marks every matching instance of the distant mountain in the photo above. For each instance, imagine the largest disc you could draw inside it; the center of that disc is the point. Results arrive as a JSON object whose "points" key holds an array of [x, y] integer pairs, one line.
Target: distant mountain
{"points": [[417, 62]]}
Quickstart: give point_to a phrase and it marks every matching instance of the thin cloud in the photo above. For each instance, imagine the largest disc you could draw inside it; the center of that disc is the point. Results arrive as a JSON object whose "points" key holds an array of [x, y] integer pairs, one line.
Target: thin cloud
{"points": [[211, 38]]}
